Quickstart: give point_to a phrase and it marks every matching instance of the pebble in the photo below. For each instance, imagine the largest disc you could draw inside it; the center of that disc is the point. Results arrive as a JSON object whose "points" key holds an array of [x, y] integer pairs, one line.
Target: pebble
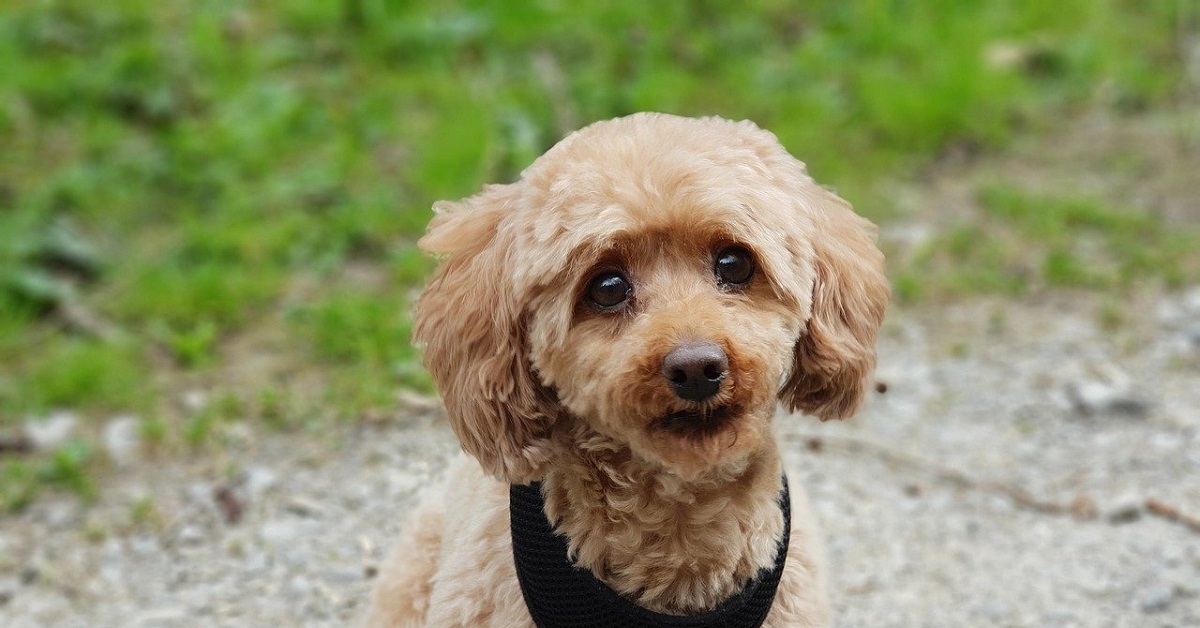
{"points": [[1126, 509], [123, 440], [260, 480], [255, 563], [52, 431], [199, 492], [1110, 392], [190, 535], [299, 586], [1184, 583], [277, 533], [305, 507], [343, 574], [8, 588], [144, 546], [995, 610], [1156, 599], [1191, 337], [195, 400]]}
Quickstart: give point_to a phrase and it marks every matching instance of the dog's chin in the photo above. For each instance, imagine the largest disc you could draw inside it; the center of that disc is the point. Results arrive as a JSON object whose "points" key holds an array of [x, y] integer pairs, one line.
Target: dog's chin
{"points": [[694, 442]]}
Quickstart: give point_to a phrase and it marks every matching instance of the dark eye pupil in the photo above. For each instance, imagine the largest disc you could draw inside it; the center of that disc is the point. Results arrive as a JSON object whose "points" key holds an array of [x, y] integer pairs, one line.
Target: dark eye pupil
{"points": [[734, 266], [608, 290]]}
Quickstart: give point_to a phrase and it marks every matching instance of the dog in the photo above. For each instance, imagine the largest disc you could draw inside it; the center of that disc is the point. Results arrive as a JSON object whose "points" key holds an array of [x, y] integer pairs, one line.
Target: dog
{"points": [[616, 330]]}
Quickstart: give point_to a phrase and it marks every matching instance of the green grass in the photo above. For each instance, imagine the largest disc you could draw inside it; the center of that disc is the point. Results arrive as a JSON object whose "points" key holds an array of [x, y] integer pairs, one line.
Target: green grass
{"points": [[365, 334], [181, 171], [76, 372], [1027, 242]]}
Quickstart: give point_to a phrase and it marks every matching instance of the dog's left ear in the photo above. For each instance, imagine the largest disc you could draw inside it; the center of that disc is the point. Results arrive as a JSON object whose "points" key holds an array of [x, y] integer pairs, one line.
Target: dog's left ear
{"points": [[835, 355]]}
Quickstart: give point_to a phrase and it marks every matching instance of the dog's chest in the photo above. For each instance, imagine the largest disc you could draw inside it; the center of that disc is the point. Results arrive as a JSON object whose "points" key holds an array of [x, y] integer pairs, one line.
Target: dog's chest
{"points": [[560, 595]]}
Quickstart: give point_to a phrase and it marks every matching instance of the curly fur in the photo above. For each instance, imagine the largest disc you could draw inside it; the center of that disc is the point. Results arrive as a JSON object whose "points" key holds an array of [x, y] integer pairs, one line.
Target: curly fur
{"points": [[540, 386]]}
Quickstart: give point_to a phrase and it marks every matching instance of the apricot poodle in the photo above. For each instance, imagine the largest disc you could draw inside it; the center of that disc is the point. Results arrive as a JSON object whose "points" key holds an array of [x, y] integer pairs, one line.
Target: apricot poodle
{"points": [[615, 329]]}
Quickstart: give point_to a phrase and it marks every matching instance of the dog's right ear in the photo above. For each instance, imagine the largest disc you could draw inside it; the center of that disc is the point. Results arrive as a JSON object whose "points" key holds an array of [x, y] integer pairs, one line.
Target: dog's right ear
{"points": [[470, 322]]}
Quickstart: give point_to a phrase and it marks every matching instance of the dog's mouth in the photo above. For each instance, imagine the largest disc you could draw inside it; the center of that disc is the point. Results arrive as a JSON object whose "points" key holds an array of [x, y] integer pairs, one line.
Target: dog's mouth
{"points": [[697, 422]]}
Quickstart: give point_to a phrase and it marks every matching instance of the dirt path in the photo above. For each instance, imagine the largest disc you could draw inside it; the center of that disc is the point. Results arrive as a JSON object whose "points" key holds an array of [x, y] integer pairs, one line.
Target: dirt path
{"points": [[978, 393]]}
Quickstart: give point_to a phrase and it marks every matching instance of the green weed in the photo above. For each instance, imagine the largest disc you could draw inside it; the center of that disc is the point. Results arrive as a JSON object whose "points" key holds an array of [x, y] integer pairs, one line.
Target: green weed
{"points": [[68, 468], [80, 372], [1032, 242]]}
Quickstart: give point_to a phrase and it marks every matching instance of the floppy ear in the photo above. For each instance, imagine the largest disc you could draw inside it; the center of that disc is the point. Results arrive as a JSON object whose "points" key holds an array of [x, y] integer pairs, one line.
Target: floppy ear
{"points": [[835, 356], [470, 322]]}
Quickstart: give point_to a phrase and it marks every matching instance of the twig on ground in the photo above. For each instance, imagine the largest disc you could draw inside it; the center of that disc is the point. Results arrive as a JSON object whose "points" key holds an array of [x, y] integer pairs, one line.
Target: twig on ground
{"points": [[1081, 508], [1162, 509]]}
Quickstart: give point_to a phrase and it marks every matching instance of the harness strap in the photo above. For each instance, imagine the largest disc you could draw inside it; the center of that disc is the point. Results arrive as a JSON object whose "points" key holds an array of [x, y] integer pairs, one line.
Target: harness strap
{"points": [[561, 595]]}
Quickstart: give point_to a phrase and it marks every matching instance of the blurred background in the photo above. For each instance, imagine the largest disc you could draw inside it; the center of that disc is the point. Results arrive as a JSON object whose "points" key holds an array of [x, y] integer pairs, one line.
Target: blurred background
{"points": [[209, 209]]}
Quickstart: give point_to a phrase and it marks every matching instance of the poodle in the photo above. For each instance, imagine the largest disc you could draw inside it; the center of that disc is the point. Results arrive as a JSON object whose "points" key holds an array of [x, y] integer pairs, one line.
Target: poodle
{"points": [[615, 330]]}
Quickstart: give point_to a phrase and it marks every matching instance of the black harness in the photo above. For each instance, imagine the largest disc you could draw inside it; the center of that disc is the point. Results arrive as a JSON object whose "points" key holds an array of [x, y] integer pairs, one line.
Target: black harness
{"points": [[559, 594]]}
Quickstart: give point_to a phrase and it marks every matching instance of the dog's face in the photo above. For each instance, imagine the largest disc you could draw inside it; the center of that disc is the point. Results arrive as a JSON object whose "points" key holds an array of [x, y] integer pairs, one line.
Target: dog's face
{"points": [[670, 333], [666, 281]]}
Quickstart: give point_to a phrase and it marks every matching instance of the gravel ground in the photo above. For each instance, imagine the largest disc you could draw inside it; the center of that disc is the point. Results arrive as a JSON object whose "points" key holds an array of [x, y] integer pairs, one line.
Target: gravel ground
{"points": [[916, 493]]}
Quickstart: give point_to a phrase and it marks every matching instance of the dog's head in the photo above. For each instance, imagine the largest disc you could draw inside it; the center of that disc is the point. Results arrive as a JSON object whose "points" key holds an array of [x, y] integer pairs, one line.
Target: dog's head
{"points": [[664, 280]]}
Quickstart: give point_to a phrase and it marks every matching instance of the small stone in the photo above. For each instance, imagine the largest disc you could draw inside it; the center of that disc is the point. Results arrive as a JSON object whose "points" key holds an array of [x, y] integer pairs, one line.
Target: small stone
{"points": [[1184, 582], [260, 480], [1191, 301], [144, 546], [255, 563], [1095, 586], [29, 574], [198, 492], [1108, 391], [1126, 509], [305, 507], [123, 440], [299, 587], [995, 610], [52, 431], [190, 535], [277, 533], [343, 575], [195, 400], [1156, 599]]}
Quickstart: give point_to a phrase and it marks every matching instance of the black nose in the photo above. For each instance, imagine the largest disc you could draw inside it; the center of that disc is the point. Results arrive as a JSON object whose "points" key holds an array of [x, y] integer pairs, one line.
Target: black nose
{"points": [[695, 370]]}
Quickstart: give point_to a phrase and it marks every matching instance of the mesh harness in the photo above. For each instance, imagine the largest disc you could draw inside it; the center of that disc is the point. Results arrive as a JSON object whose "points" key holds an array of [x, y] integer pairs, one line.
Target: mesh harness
{"points": [[559, 594]]}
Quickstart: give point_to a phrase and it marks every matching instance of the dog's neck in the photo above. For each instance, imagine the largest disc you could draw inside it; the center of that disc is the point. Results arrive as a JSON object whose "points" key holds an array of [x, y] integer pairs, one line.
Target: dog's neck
{"points": [[669, 545]]}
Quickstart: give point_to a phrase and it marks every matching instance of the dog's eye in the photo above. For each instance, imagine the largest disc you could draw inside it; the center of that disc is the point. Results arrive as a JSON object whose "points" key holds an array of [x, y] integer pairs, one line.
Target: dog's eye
{"points": [[609, 290], [734, 266]]}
